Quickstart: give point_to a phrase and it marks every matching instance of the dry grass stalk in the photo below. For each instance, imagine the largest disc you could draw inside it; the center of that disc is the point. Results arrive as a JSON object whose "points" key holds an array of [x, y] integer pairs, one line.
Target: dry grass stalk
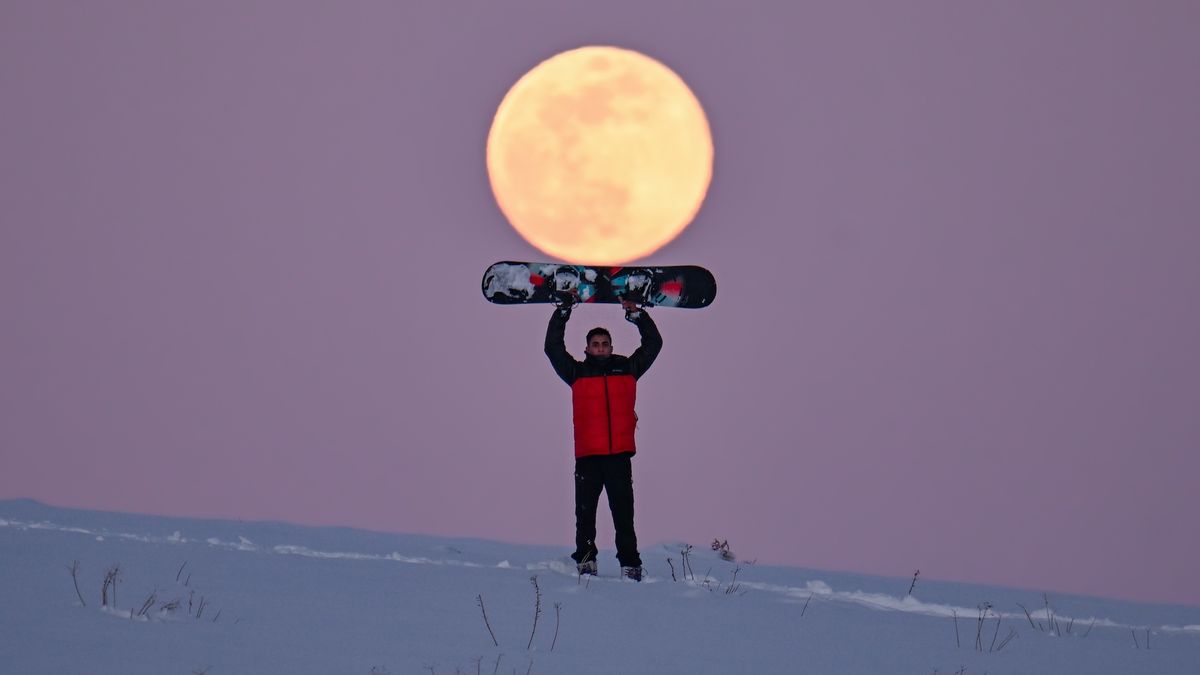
{"points": [[1028, 616], [1012, 633], [148, 603], [75, 578], [557, 614], [537, 609], [479, 600], [983, 612], [687, 564], [111, 577], [734, 585]]}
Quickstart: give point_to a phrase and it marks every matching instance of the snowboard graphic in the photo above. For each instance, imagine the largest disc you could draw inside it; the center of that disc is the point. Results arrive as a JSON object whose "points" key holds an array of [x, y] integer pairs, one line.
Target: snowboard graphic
{"points": [[514, 283]]}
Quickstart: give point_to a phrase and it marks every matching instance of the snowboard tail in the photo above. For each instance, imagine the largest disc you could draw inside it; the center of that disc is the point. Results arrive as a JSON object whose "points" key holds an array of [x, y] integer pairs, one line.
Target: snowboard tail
{"points": [[519, 283]]}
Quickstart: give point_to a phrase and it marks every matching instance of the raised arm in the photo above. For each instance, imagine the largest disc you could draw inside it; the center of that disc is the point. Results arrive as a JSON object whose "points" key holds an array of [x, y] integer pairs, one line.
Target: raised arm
{"points": [[556, 348], [652, 341]]}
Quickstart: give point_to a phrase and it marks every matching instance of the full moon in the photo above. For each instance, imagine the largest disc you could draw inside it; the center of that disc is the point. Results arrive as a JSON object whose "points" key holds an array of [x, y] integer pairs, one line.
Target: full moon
{"points": [[600, 155]]}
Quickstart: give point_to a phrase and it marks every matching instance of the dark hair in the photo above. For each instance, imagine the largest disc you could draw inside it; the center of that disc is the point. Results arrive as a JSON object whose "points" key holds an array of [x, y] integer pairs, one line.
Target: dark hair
{"points": [[598, 331]]}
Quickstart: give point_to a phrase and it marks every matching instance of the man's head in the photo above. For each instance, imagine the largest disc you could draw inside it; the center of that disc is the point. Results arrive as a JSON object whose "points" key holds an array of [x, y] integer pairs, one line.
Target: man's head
{"points": [[599, 343]]}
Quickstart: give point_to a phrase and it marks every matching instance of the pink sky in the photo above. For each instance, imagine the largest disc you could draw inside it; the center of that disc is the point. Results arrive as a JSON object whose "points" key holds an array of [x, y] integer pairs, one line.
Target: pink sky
{"points": [[955, 243]]}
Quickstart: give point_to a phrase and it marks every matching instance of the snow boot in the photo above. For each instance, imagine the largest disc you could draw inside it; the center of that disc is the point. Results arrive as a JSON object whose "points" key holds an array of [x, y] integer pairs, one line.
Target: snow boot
{"points": [[587, 567], [634, 573]]}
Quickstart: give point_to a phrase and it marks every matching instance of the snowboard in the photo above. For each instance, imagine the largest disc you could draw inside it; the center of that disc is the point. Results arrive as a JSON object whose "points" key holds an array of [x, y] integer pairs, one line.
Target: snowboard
{"points": [[516, 283]]}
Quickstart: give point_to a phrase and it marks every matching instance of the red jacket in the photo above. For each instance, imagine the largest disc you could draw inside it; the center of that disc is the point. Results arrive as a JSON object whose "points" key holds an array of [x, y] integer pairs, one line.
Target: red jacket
{"points": [[603, 391]]}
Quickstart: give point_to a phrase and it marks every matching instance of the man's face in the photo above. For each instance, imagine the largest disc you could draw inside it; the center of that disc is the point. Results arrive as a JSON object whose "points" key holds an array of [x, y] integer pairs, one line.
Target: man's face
{"points": [[599, 346]]}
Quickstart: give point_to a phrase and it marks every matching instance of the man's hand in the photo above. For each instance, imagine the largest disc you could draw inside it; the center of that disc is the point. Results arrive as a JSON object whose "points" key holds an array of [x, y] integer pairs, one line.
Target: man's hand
{"points": [[632, 311], [566, 303]]}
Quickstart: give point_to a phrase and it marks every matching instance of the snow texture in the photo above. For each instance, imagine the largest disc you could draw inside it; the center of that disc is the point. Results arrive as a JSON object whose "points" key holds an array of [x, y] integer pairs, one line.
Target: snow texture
{"points": [[234, 597]]}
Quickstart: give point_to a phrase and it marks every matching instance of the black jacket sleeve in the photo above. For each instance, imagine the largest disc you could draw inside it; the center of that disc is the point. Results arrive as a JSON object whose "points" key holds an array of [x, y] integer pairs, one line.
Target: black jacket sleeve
{"points": [[652, 343], [556, 348]]}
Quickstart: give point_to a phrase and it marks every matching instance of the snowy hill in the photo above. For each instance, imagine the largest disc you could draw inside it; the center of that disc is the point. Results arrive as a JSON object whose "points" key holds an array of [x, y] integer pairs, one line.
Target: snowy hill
{"points": [[218, 597]]}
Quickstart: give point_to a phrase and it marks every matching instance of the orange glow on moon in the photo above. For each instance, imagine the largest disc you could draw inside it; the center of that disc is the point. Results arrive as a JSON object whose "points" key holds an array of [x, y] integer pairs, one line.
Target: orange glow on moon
{"points": [[600, 155]]}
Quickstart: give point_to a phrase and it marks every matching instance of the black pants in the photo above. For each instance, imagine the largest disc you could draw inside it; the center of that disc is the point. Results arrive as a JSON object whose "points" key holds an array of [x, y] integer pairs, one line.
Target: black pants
{"points": [[614, 475]]}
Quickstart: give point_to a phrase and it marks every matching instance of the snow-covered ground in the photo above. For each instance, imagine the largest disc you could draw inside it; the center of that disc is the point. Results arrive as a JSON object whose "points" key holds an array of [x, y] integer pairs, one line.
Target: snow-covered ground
{"points": [[222, 597]]}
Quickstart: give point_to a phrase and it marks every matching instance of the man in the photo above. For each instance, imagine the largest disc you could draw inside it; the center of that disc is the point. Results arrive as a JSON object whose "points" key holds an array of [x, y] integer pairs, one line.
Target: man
{"points": [[603, 393]]}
